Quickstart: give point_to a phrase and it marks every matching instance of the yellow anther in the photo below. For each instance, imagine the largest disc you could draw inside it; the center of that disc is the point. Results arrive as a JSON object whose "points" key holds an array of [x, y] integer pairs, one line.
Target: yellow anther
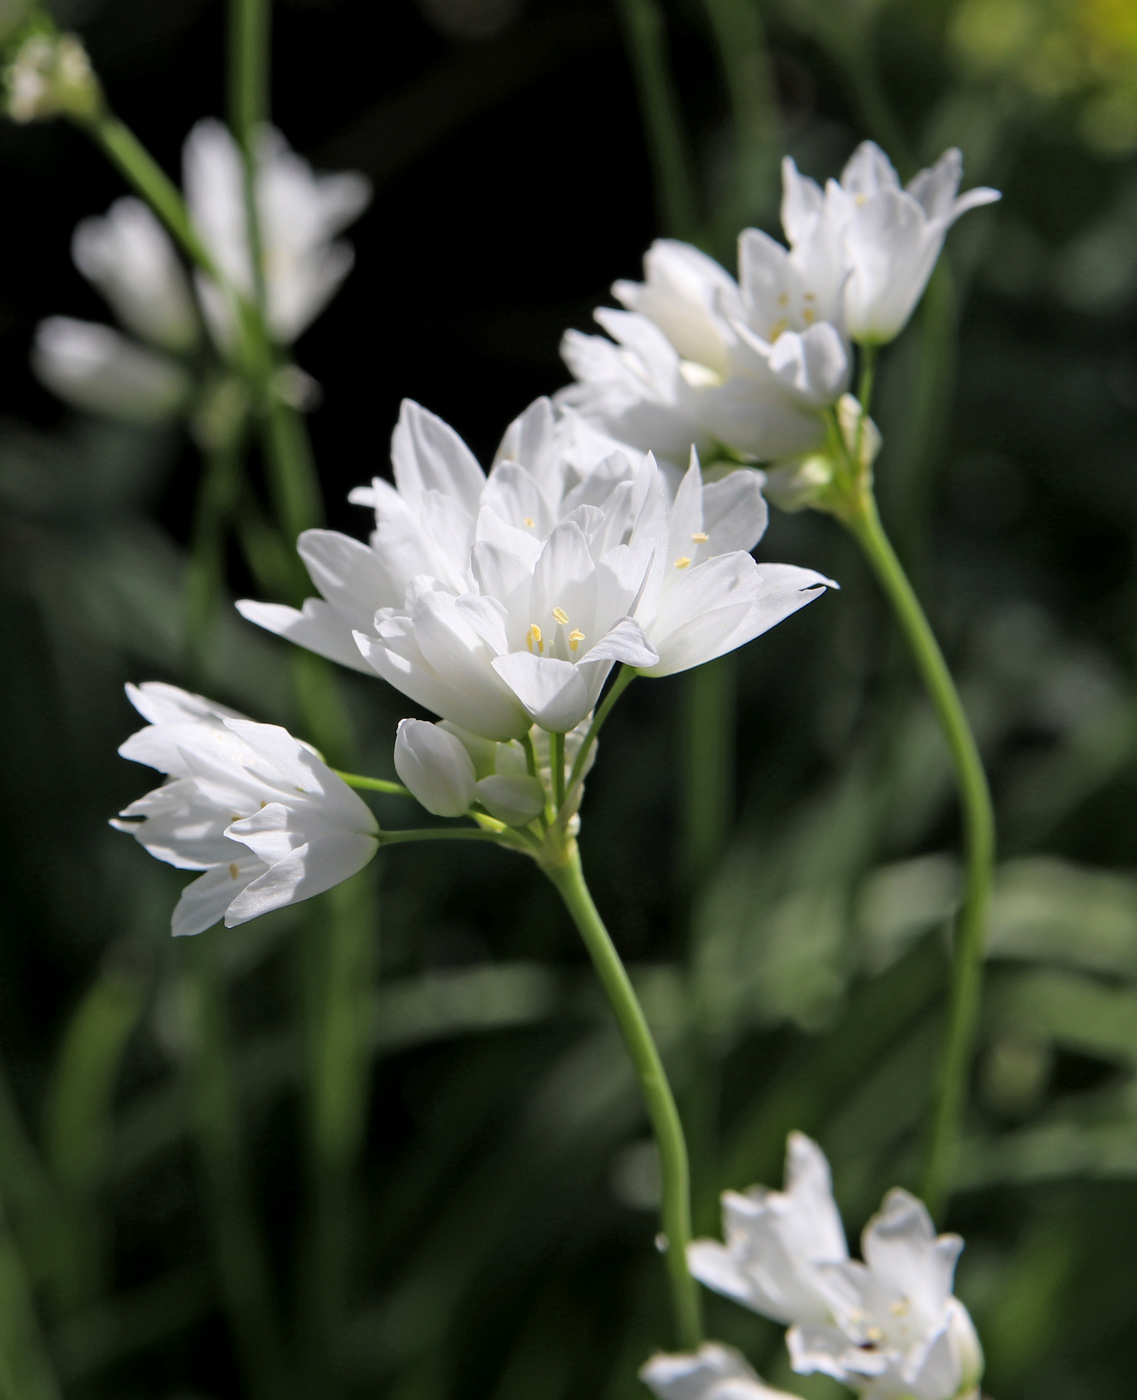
{"points": [[576, 636], [809, 315], [874, 1334], [777, 328], [784, 299], [529, 522], [899, 1307], [810, 297], [682, 562], [534, 635], [560, 615], [699, 537], [234, 870], [859, 199]]}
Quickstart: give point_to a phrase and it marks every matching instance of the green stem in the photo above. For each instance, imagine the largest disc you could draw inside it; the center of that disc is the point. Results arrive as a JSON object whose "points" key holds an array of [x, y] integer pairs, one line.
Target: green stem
{"points": [[557, 763], [568, 878], [979, 841], [216, 503], [148, 179], [642, 22], [249, 53], [620, 684], [25, 1366], [439, 833], [217, 1116], [356, 780], [291, 471]]}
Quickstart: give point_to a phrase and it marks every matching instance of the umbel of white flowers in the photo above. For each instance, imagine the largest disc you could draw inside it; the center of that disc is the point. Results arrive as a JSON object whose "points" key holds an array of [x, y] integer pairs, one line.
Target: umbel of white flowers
{"points": [[503, 601], [152, 373], [751, 366], [258, 812], [889, 1328]]}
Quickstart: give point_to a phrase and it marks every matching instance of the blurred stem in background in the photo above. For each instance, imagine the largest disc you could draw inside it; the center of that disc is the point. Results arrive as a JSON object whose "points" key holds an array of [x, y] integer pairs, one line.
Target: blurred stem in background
{"points": [[568, 877], [25, 1370], [218, 498], [239, 1249]]}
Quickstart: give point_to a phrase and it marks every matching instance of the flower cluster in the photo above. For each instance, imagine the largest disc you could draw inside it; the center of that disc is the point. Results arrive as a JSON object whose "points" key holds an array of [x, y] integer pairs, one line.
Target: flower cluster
{"points": [[257, 811], [502, 601], [889, 1328], [153, 373], [751, 366]]}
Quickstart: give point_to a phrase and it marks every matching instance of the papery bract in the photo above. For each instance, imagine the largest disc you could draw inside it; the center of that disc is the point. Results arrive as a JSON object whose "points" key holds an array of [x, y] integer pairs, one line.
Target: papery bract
{"points": [[259, 812]]}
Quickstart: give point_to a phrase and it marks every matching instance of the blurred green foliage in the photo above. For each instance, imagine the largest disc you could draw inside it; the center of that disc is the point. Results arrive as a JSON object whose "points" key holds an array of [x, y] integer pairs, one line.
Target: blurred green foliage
{"points": [[161, 1219]]}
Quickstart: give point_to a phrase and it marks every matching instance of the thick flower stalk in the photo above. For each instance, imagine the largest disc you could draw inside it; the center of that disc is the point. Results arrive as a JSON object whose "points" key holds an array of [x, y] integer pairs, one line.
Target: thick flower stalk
{"points": [[258, 812], [158, 371], [890, 1327]]}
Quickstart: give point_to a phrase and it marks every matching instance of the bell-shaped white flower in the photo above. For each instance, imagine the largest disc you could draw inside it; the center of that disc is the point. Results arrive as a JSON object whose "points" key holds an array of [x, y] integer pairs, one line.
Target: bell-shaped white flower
{"points": [[130, 258], [702, 360], [705, 595], [714, 1372], [97, 369], [257, 811], [440, 505], [897, 1330], [891, 236], [776, 1241], [299, 215]]}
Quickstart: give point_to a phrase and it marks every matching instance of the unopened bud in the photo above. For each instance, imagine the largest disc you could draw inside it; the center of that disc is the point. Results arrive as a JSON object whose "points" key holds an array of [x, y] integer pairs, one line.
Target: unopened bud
{"points": [[436, 768], [51, 76]]}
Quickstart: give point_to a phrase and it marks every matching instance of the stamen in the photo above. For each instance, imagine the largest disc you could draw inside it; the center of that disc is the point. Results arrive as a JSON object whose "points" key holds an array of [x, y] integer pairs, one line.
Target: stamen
{"points": [[699, 537], [234, 870], [575, 637], [784, 299], [810, 297], [899, 1307], [534, 635], [528, 522], [809, 315], [560, 615], [682, 562], [777, 328]]}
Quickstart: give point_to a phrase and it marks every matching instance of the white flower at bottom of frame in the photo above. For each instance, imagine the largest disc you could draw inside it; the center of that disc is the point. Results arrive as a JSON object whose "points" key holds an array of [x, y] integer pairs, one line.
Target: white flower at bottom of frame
{"points": [[714, 1372], [897, 1331], [705, 595], [95, 368], [252, 807], [533, 646], [776, 1241], [448, 769]]}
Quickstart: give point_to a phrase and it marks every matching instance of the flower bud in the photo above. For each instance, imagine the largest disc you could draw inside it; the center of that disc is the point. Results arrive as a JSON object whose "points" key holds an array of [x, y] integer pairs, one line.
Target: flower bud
{"points": [[514, 799], [51, 76], [435, 766]]}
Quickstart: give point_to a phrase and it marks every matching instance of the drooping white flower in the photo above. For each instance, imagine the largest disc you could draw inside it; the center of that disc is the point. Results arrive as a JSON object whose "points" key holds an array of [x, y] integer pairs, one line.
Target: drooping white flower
{"points": [[257, 811], [897, 1332], [701, 360], [130, 258], [299, 215], [775, 1241], [889, 1327], [97, 369], [714, 1372], [890, 236]]}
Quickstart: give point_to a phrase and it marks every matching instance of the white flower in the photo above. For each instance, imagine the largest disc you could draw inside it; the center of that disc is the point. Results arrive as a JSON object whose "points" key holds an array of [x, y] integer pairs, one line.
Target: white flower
{"points": [[897, 1332], [259, 812], [714, 1372], [891, 237], [299, 213], [130, 258], [427, 523], [96, 368], [702, 360], [889, 1327], [448, 769], [775, 1241]]}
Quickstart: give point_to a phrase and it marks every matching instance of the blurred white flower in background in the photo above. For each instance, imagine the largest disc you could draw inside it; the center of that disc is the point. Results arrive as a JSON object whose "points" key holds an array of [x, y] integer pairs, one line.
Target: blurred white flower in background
{"points": [[131, 260], [257, 811], [888, 1328]]}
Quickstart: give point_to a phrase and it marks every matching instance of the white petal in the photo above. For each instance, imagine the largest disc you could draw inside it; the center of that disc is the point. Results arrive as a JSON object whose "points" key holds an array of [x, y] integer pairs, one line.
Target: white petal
{"points": [[206, 899], [318, 628], [428, 455], [95, 368], [436, 767], [554, 693]]}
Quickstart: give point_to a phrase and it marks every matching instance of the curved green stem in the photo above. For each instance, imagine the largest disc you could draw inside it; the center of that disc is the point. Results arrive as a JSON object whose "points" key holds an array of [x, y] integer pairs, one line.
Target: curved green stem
{"points": [[979, 839], [357, 780], [568, 877], [623, 680]]}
